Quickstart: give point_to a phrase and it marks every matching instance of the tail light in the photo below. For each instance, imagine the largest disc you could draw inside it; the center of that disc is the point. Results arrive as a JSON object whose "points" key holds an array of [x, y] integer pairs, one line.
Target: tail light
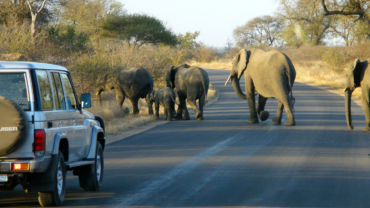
{"points": [[21, 166], [39, 143]]}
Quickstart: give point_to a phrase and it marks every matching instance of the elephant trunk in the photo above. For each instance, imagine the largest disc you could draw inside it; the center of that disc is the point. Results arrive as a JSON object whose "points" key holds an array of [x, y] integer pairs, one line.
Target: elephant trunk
{"points": [[348, 94], [238, 90]]}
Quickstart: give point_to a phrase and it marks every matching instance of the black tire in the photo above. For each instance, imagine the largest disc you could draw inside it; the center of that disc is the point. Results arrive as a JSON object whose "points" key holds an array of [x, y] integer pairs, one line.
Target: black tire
{"points": [[101, 121], [56, 197], [14, 126], [91, 176]]}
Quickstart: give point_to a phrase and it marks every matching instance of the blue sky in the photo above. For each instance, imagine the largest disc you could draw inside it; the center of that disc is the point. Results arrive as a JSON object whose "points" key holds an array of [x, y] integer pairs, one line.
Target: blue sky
{"points": [[215, 19]]}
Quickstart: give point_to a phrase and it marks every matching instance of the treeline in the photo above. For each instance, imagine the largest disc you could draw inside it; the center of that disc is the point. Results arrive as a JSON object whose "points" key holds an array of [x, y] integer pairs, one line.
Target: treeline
{"points": [[94, 37], [308, 22]]}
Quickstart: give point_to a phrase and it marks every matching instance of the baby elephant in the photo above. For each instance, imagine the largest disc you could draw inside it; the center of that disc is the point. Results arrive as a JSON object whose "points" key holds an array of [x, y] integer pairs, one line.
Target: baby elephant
{"points": [[167, 98]]}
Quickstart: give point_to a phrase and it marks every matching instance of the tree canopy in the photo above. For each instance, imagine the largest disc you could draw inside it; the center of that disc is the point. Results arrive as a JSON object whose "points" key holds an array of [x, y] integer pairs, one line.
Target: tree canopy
{"points": [[262, 31], [138, 29]]}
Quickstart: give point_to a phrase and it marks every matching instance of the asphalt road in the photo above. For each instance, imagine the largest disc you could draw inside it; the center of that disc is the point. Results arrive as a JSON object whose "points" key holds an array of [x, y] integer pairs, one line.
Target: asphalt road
{"points": [[225, 162]]}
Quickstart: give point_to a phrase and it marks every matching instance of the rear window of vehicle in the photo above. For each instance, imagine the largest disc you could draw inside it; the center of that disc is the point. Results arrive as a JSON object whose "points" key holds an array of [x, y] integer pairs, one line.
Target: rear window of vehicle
{"points": [[14, 87]]}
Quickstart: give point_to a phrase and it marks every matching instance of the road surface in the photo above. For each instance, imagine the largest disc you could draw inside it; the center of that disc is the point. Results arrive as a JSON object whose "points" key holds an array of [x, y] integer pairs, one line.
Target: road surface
{"points": [[225, 162]]}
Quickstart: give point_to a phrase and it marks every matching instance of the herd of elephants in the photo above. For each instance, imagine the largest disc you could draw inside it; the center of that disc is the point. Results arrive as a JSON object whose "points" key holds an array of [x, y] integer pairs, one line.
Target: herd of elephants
{"points": [[271, 74]]}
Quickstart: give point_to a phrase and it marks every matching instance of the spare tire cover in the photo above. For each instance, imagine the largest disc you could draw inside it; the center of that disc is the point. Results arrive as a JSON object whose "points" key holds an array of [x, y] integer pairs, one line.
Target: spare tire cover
{"points": [[13, 126]]}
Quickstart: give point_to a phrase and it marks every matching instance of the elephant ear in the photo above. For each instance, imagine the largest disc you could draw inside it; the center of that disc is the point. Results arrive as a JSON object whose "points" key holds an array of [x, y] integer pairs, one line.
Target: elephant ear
{"points": [[240, 62], [171, 77], [356, 72]]}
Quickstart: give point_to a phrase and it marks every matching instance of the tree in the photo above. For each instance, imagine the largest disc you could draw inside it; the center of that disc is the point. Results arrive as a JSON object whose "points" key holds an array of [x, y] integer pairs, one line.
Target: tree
{"points": [[355, 10], [138, 29], [34, 13], [188, 40], [305, 19], [88, 15], [346, 29], [260, 31], [13, 12]]}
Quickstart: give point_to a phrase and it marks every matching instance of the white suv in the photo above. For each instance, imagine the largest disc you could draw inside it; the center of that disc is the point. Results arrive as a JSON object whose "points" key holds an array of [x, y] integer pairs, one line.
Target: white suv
{"points": [[44, 132]]}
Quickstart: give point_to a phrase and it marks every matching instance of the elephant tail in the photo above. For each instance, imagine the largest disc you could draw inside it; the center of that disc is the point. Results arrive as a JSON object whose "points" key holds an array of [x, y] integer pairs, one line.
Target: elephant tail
{"points": [[205, 83], [291, 77], [291, 74]]}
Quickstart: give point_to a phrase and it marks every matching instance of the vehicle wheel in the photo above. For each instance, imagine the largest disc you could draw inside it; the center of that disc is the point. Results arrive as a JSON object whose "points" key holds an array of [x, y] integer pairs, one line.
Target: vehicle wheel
{"points": [[101, 121], [56, 197], [91, 176]]}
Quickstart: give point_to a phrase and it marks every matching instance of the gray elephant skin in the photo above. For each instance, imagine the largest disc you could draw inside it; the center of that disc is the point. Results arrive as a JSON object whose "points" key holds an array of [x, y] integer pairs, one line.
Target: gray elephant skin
{"points": [[167, 98], [192, 84], [134, 83], [271, 74], [358, 76]]}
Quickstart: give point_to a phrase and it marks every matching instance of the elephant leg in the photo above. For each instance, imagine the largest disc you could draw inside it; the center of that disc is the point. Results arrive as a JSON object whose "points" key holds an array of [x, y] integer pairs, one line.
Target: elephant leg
{"points": [[288, 110], [120, 96], [261, 108], [150, 105], [157, 109], [249, 91], [279, 114], [198, 113], [135, 105], [202, 103], [182, 110], [366, 106], [169, 114], [173, 112]]}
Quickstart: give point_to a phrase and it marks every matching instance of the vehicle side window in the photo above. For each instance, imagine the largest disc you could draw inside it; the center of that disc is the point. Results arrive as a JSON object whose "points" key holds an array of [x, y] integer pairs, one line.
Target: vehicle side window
{"points": [[71, 99], [45, 90], [58, 91]]}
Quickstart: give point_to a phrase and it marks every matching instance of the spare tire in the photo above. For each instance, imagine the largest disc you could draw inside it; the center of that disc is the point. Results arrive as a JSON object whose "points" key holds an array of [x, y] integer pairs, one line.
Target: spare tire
{"points": [[13, 126]]}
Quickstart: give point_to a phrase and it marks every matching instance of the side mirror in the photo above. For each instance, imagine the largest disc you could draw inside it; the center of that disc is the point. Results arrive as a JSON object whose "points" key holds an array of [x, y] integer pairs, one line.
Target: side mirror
{"points": [[86, 100]]}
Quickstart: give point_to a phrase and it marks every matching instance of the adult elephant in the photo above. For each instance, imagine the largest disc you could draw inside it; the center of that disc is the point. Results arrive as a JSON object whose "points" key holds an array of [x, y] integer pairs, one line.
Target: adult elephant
{"points": [[191, 83], [134, 83], [271, 74], [358, 76]]}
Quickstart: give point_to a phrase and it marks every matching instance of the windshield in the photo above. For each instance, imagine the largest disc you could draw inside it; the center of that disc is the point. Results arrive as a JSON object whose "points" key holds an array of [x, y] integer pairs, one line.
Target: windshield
{"points": [[14, 87]]}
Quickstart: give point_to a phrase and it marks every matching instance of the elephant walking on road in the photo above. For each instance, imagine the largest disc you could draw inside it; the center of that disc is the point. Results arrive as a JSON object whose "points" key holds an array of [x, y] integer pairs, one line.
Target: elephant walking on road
{"points": [[271, 74], [167, 98], [358, 76], [191, 83], [133, 83]]}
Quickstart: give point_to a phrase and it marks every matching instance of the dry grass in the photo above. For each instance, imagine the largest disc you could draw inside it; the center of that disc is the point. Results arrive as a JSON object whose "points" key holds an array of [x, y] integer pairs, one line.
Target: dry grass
{"points": [[117, 120], [212, 65]]}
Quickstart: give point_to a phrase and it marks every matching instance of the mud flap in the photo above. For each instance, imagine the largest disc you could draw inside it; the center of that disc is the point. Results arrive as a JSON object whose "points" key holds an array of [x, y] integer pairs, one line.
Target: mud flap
{"points": [[43, 182]]}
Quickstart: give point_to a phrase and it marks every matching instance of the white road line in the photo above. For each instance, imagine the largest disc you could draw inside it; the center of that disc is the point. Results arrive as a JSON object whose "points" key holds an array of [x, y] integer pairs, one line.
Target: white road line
{"points": [[225, 167]]}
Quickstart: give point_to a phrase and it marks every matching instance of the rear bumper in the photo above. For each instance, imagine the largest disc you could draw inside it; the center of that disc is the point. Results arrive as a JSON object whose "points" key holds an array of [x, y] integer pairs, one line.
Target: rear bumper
{"points": [[37, 165]]}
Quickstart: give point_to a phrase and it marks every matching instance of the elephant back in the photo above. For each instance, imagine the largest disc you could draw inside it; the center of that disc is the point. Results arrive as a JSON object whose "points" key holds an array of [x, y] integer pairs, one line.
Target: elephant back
{"points": [[136, 82], [192, 80]]}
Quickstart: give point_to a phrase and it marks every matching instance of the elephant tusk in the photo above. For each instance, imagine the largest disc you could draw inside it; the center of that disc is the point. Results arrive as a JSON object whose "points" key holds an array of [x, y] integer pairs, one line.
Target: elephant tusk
{"points": [[228, 79]]}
